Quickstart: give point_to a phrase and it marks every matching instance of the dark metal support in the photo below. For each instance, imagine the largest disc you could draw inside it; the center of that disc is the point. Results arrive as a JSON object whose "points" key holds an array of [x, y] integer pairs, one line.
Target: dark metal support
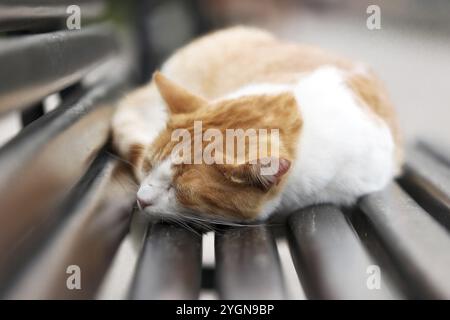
{"points": [[32, 113]]}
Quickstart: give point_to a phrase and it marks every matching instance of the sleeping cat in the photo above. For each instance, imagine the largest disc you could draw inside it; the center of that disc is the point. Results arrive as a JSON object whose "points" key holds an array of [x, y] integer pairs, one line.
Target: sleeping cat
{"points": [[337, 131]]}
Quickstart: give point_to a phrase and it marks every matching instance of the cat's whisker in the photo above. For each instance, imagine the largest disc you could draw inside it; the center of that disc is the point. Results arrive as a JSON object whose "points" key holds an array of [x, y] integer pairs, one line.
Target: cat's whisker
{"points": [[182, 224], [190, 228], [193, 220], [223, 222], [200, 223], [115, 156], [206, 225]]}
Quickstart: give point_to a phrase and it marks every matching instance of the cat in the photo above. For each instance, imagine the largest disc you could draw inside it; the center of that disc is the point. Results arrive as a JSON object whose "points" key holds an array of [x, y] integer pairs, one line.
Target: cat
{"points": [[338, 133]]}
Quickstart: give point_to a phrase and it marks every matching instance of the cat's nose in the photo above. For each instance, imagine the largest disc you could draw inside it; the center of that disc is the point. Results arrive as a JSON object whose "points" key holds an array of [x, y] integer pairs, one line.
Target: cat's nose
{"points": [[143, 203], [145, 196]]}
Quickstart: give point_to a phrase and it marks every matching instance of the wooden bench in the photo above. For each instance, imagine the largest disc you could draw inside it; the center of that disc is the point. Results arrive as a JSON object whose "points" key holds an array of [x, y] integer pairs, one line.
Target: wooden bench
{"points": [[63, 202]]}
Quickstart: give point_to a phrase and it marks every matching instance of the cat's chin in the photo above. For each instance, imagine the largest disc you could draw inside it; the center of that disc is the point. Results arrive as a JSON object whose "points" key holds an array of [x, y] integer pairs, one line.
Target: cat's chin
{"points": [[159, 213], [172, 212]]}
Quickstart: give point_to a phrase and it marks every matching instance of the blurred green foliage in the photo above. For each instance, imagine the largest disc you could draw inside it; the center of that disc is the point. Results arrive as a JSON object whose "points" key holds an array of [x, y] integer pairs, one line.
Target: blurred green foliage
{"points": [[120, 11]]}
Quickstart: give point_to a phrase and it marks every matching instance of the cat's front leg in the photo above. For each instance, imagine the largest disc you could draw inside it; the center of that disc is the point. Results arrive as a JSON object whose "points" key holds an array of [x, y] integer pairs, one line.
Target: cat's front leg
{"points": [[139, 118]]}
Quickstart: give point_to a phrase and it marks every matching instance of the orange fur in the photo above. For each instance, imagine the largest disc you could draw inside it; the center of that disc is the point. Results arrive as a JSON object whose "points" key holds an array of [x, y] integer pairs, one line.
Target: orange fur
{"points": [[226, 60], [209, 188], [374, 97]]}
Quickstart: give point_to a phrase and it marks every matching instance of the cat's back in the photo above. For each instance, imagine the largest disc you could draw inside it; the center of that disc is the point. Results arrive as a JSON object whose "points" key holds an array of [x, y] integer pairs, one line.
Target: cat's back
{"points": [[223, 61]]}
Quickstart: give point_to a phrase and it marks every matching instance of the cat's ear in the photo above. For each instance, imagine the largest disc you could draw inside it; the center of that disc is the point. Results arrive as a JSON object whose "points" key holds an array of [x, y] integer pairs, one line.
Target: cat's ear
{"points": [[178, 99], [263, 173]]}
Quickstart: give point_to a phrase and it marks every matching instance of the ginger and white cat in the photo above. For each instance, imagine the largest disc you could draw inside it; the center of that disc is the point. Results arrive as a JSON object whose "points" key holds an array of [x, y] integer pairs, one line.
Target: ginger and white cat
{"points": [[338, 137]]}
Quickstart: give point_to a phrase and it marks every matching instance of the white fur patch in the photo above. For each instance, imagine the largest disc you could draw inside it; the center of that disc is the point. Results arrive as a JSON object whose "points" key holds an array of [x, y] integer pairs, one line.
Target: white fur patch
{"points": [[139, 120], [343, 151], [156, 189], [258, 89], [141, 116]]}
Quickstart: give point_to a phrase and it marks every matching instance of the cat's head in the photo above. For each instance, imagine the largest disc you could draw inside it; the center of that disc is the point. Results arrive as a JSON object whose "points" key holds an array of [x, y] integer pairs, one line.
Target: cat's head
{"points": [[193, 169]]}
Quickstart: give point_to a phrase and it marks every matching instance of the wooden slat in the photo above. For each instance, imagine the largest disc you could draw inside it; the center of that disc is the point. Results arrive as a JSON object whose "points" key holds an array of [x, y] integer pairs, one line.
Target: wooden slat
{"points": [[85, 231], [416, 242], [40, 165], [247, 264], [427, 179], [330, 260], [27, 14], [169, 266], [38, 65]]}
